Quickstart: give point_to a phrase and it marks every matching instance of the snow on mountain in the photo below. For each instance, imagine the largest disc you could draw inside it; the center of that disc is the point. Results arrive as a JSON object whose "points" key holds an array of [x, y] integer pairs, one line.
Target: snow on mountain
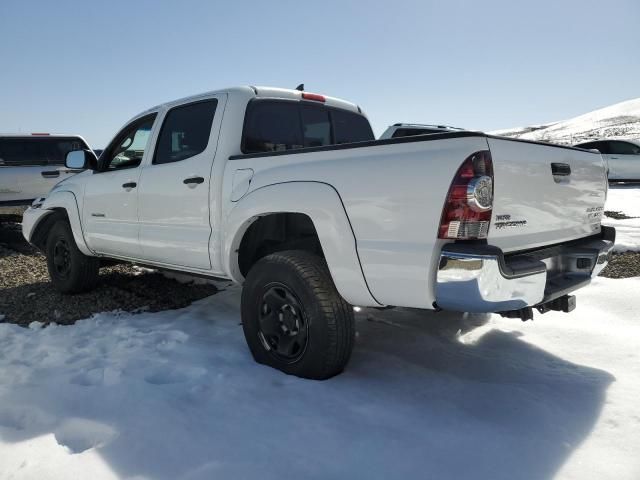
{"points": [[621, 120]]}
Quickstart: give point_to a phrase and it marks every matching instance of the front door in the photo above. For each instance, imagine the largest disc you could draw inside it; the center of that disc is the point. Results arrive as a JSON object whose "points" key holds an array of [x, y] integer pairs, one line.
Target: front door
{"points": [[174, 192], [110, 210]]}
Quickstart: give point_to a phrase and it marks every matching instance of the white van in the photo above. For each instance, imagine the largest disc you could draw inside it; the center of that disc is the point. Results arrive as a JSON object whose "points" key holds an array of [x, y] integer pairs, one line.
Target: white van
{"points": [[30, 165]]}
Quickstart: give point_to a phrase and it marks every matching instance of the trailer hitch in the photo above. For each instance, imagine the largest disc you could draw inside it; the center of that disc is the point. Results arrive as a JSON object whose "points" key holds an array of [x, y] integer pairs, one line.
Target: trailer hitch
{"points": [[566, 303]]}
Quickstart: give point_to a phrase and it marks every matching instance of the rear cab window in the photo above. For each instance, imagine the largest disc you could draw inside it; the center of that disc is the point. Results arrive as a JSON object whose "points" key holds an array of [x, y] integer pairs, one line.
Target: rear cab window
{"points": [[37, 151], [280, 125]]}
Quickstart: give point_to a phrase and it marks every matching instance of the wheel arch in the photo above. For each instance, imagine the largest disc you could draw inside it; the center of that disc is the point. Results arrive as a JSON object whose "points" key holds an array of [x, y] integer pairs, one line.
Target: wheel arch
{"points": [[63, 205], [318, 202]]}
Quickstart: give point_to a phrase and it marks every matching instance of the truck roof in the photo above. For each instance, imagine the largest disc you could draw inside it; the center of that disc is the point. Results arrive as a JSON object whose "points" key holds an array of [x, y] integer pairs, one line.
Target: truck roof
{"points": [[425, 125], [38, 135], [259, 92]]}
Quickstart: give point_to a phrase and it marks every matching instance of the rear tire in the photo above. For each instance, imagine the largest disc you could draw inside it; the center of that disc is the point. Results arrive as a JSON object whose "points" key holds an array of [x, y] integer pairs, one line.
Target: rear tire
{"points": [[293, 317], [69, 269]]}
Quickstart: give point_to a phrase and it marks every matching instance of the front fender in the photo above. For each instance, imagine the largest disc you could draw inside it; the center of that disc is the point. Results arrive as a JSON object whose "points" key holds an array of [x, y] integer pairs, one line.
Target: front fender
{"points": [[322, 204], [67, 201]]}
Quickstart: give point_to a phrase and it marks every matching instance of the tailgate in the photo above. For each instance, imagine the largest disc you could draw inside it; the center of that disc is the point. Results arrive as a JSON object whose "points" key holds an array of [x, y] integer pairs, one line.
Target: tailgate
{"points": [[544, 194]]}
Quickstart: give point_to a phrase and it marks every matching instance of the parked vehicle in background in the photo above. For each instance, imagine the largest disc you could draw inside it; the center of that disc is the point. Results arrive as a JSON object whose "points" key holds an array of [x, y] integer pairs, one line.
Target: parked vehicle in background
{"points": [[409, 129], [30, 165], [287, 193], [622, 157]]}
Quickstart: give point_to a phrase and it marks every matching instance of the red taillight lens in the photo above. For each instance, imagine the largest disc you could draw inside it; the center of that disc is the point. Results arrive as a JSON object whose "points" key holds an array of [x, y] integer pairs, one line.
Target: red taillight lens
{"points": [[467, 212]]}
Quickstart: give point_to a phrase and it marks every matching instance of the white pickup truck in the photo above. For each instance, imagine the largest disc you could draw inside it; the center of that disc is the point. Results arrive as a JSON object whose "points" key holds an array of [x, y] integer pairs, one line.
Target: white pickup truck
{"points": [[288, 194]]}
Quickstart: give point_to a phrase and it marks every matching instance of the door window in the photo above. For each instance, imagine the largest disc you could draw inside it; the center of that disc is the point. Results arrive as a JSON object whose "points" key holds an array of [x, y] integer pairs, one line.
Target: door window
{"points": [[185, 132], [623, 148], [128, 148]]}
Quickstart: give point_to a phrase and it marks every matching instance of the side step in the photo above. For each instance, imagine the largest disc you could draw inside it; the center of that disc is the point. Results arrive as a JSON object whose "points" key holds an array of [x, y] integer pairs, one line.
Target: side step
{"points": [[566, 303]]}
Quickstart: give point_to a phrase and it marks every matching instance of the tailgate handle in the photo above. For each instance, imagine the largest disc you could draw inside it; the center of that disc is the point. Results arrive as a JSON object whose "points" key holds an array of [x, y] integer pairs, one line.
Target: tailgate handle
{"points": [[561, 169]]}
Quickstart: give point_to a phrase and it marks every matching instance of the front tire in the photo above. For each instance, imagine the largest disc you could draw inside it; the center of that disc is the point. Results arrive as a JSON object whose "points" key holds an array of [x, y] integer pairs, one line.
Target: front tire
{"points": [[69, 269], [293, 317]]}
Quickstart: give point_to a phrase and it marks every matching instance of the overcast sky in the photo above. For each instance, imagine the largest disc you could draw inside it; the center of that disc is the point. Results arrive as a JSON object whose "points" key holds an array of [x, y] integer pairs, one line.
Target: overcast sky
{"points": [[87, 67]]}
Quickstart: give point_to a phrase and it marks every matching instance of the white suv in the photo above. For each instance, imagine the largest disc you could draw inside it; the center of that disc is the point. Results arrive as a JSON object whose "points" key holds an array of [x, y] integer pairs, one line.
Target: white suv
{"points": [[30, 165]]}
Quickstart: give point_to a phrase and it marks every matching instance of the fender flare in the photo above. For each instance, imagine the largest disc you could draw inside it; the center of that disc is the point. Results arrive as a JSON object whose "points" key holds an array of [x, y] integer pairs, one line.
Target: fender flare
{"points": [[323, 205], [66, 201]]}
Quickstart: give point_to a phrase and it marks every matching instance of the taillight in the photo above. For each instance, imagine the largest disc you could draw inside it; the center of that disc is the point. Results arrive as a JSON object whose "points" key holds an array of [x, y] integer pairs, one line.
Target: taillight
{"points": [[467, 212], [313, 96]]}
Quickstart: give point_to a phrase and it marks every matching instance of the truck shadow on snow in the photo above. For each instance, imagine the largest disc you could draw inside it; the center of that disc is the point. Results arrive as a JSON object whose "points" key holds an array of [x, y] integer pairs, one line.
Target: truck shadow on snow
{"points": [[488, 404], [425, 396]]}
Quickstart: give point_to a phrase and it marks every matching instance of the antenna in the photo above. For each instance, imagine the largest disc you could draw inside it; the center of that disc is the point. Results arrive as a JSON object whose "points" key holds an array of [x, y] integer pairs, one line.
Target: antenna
{"points": [[300, 87]]}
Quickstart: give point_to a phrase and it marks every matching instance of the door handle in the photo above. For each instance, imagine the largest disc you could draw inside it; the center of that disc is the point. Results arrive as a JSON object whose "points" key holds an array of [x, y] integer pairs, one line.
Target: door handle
{"points": [[561, 169], [50, 174], [193, 181], [129, 185]]}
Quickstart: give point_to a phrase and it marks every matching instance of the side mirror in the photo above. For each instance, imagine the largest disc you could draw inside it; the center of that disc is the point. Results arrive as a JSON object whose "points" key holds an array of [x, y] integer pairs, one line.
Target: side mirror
{"points": [[81, 160]]}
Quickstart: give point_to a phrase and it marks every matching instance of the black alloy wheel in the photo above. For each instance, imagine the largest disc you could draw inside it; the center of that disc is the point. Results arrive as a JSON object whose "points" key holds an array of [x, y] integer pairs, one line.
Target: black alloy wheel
{"points": [[283, 324], [62, 257]]}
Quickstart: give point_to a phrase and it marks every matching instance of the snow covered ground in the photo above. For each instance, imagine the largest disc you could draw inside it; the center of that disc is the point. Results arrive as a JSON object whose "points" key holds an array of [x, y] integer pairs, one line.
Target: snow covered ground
{"points": [[621, 120], [176, 395]]}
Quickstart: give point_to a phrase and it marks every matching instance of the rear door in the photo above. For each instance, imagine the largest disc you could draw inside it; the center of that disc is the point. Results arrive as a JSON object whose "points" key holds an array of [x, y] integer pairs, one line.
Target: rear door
{"points": [[174, 192], [544, 194], [31, 166]]}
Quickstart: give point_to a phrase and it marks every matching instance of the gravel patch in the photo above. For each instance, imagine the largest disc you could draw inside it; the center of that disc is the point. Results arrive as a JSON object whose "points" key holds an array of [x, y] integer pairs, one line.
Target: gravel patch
{"points": [[623, 265], [26, 295]]}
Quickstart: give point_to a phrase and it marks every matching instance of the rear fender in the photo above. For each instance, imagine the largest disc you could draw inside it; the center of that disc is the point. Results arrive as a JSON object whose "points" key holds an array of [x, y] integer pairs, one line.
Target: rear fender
{"points": [[322, 204]]}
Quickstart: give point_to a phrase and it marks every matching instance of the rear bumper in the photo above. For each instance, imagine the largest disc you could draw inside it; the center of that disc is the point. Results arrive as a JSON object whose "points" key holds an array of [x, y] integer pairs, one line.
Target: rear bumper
{"points": [[481, 278]]}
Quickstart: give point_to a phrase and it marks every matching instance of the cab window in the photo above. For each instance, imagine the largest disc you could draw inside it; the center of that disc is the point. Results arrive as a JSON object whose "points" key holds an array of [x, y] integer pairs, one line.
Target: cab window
{"points": [[316, 126], [272, 126], [350, 127], [623, 148], [128, 148], [279, 125], [185, 132], [602, 147], [37, 151]]}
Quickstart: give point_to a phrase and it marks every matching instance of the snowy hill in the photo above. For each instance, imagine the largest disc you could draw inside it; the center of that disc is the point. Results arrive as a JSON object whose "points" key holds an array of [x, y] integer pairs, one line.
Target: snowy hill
{"points": [[621, 120]]}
